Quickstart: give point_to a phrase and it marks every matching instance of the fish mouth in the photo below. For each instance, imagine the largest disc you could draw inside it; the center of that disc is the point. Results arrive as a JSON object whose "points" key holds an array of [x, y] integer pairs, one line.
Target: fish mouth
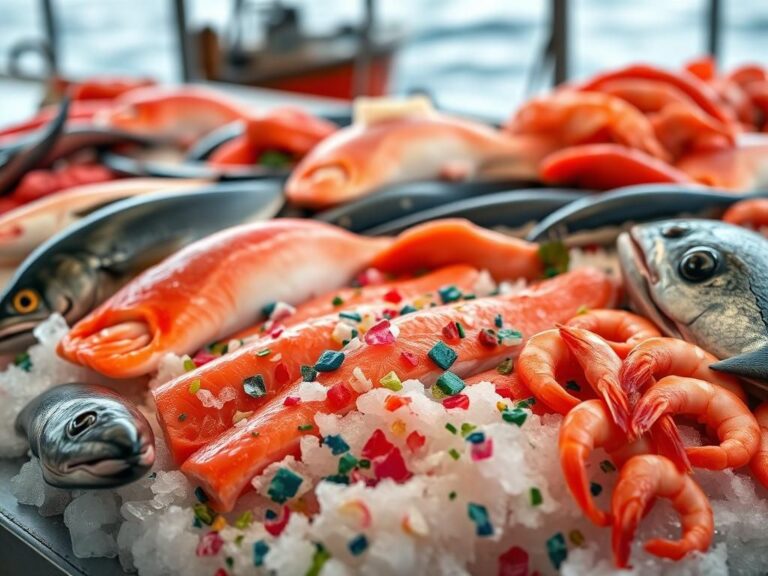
{"points": [[16, 336], [639, 278], [111, 467]]}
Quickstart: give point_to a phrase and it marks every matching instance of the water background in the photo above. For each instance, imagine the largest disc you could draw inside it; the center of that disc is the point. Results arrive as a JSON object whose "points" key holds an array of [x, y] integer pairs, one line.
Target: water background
{"points": [[472, 55]]}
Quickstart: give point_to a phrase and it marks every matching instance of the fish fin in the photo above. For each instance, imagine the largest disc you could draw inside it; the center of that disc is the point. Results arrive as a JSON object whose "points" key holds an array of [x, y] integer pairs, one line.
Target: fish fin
{"points": [[368, 111], [752, 365]]}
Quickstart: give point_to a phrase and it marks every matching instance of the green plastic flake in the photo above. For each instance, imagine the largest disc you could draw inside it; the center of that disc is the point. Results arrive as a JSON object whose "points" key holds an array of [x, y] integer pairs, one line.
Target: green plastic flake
{"points": [[449, 384], [201, 495], [189, 364], [229, 561], [479, 515], [454, 453], [284, 485], [329, 361], [449, 294], [536, 497], [275, 159], [358, 545], [262, 353], [254, 386], [239, 539], [204, 513], [337, 301], [350, 316], [573, 385], [514, 416], [607, 466], [260, 549], [452, 495], [466, 428], [557, 550], [442, 355], [595, 489], [391, 381], [451, 428], [319, 559], [337, 479], [475, 438], [219, 348], [194, 386], [364, 463], [23, 361], [308, 373], [554, 257], [304, 427], [460, 330], [244, 520], [267, 309], [506, 366], [347, 463], [407, 309], [336, 443], [508, 335], [470, 296]]}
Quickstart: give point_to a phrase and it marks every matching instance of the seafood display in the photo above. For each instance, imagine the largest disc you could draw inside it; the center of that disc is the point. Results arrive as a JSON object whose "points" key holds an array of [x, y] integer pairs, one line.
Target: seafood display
{"points": [[87, 436], [390, 335]]}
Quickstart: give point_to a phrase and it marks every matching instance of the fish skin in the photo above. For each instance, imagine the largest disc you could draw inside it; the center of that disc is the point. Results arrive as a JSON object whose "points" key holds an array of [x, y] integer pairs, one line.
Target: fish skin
{"points": [[225, 467], [213, 288], [725, 314], [78, 268], [116, 449]]}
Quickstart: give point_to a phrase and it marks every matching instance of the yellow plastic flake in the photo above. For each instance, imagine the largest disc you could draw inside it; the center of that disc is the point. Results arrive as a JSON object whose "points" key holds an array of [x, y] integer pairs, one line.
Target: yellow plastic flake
{"points": [[414, 524], [219, 524], [194, 386], [356, 512], [189, 365], [501, 406], [421, 302], [398, 428], [238, 416], [576, 538], [391, 381], [582, 310]]}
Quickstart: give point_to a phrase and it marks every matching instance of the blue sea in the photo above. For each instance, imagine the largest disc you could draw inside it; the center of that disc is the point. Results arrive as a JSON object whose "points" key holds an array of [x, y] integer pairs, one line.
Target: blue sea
{"points": [[474, 56]]}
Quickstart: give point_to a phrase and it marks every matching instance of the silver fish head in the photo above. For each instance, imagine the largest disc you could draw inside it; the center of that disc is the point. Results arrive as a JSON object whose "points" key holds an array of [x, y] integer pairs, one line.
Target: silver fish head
{"points": [[700, 280], [67, 284], [95, 442]]}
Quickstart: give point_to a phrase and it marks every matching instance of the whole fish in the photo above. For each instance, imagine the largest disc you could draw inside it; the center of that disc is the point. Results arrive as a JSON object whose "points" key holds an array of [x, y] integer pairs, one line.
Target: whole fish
{"points": [[26, 227], [87, 436], [81, 266], [704, 281]]}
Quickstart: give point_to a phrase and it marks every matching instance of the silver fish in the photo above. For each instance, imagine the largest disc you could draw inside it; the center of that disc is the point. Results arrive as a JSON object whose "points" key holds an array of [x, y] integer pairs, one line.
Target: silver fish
{"points": [[80, 267], [87, 436], [704, 281]]}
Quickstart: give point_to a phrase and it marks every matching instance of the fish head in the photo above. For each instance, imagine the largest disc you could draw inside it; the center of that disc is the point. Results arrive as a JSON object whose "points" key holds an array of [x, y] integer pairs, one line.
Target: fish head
{"points": [[700, 280], [64, 284], [95, 442]]}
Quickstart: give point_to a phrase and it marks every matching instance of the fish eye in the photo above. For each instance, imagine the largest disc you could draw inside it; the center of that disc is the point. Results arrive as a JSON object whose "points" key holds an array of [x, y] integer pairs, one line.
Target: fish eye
{"points": [[699, 264], [81, 423], [675, 231], [25, 301]]}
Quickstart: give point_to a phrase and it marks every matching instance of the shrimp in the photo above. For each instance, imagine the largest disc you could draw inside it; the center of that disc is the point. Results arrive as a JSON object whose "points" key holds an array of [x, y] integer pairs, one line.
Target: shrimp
{"points": [[586, 427], [540, 366], [719, 409], [572, 118], [643, 479], [659, 357], [621, 329], [601, 368], [645, 94], [752, 213], [682, 129], [759, 463]]}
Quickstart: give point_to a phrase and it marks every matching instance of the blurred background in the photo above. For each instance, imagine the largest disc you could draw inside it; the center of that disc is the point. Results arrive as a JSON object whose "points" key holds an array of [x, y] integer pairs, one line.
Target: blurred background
{"points": [[481, 57]]}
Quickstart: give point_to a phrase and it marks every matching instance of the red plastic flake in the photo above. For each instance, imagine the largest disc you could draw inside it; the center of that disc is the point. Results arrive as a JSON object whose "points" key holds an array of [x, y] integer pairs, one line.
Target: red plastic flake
{"points": [[415, 441], [393, 402], [504, 391], [487, 338], [339, 395], [369, 277], [276, 525], [483, 450], [203, 357], [514, 562], [393, 296], [460, 401], [379, 334], [377, 445], [281, 374], [276, 331], [391, 466], [209, 544], [291, 401], [450, 331], [409, 359], [389, 313], [221, 572]]}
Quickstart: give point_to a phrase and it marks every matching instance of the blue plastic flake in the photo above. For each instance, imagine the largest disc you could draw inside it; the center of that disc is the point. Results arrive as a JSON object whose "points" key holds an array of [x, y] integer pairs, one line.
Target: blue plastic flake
{"points": [[595, 488], [284, 485], [479, 515], [358, 545], [449, 294], [407, 309], [337, 479], [308, 374], [336, 443], [267, 309], [442, 355], [557, 550], [449, 383], [254, 386], [351, 316], [329, 361], [260, 549], [201, 495], [476, 438]]}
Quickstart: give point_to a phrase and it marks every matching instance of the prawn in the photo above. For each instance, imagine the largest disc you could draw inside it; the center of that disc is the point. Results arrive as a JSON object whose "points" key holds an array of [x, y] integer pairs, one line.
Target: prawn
{"points": [[752, 213], [621, 329]]}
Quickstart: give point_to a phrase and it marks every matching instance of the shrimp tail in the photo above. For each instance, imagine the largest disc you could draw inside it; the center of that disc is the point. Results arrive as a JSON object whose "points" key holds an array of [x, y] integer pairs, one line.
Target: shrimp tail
{"points": [[636, 374], [666, 437], [572, 463], [646, 414], [617, 404], [626, 518]]}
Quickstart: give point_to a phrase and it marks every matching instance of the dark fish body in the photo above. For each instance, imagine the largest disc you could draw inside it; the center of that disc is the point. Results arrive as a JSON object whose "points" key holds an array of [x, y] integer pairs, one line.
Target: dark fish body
{"points": [[630, 205], [87, 436], [512, 209], [78, 268], [706, 282]]}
